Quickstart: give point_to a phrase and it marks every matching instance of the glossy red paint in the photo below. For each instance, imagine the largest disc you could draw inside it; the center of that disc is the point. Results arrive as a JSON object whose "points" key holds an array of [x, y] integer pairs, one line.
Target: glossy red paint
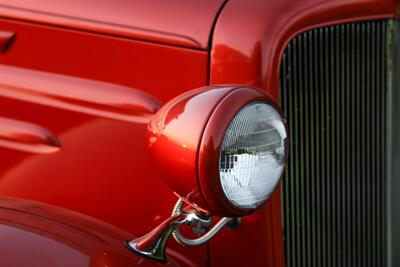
{"points": [[183, 23], [44, 235], [168, 135], [102, 168], [159, 70], [248, 41], [78, 95], [6, 39], [27, 137]]}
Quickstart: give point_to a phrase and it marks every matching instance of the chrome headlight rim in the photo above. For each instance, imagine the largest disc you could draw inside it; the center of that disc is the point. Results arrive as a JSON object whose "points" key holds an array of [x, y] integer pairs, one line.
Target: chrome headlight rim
{"points": [[211, 144]]}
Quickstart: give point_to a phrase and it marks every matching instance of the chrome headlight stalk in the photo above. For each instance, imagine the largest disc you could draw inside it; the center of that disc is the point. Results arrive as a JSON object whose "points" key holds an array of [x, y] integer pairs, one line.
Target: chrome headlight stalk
{"points": [[153, 245]]}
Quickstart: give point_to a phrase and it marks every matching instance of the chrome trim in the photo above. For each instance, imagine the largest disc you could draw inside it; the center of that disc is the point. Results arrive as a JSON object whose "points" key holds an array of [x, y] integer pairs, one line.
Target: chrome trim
{"points": [[153, 244]]}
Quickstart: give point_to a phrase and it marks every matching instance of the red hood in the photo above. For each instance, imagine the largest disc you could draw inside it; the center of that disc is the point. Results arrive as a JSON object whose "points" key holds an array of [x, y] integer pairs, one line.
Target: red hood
{"points": [[40, 235], [185, 23]]}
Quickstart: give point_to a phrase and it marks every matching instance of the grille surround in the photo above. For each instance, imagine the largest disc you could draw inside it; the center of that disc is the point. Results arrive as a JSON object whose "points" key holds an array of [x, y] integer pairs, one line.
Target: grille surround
{"points": [[333, 91]]}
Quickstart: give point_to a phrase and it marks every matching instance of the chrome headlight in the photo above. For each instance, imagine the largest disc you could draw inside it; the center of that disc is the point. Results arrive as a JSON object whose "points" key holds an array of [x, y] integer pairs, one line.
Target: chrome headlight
{"points": [[252, 157], [221, 149]]}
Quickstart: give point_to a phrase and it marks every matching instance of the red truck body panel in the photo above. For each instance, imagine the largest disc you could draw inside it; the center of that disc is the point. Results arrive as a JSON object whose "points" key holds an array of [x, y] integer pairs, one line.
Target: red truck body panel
{"points": [[159, 50], [47, 236], [102, 167], [181, 23]]}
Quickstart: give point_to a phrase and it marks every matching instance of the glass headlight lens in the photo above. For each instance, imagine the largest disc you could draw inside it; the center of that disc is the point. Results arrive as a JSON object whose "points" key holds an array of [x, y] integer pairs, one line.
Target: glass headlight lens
{"points": [[252, 156]]}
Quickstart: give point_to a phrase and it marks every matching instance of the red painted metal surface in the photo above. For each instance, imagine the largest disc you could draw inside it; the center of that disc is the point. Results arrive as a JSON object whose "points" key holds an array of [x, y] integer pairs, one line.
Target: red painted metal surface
{"points": [[183, 23], [159, 70], [85, 89], [6, 39], [40, 235], [103, 168], [169, 135], [84, 96], [28, 137], [248, 41]]}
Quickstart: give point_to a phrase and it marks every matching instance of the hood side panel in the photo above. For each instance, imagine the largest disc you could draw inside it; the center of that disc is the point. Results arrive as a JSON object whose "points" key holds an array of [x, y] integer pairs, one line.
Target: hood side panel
{"points": [[176, 22]]}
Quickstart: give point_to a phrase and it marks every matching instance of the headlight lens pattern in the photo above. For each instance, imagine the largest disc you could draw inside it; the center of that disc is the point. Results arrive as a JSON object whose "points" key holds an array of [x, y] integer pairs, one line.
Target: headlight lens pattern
{"points": [[252, 155]]}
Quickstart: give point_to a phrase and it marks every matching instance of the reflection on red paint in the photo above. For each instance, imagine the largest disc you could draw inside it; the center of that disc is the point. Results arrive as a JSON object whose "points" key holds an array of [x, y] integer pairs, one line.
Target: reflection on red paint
{"points": [[27, 137], [43, 235], [79, 95], [103, 168], [6, 39], [109, 90]]}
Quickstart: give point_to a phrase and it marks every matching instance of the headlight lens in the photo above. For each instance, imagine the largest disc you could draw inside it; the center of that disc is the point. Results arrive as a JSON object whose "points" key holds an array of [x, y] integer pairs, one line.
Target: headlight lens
{"points": [[252, 155]]}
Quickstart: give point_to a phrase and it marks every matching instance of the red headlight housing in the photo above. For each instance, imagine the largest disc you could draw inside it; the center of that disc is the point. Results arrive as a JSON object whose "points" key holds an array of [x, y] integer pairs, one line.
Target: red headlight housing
{"points": [[185, 140]]}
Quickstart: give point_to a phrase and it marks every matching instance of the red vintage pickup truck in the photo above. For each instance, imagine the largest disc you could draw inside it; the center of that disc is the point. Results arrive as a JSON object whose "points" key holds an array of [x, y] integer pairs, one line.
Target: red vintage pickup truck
{"points": [[150, 133]]}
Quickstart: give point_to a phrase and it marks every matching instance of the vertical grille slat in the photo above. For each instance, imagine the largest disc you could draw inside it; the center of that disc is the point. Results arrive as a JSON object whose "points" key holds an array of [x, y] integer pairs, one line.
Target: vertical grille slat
{"points": [[333, 87]]}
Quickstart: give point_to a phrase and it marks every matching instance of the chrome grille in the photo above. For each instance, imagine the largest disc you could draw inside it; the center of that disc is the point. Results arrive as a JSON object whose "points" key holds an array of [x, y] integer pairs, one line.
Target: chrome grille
{"points": [[333, 88]]}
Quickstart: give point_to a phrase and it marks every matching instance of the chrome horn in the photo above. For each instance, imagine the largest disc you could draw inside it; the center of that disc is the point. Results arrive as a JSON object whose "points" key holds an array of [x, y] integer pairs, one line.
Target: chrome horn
{"points": [[153, 244]]}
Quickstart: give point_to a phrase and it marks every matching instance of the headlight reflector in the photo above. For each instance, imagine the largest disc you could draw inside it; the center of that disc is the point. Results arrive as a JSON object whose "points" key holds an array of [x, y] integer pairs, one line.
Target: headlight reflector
{"points": [[252, 157]]}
